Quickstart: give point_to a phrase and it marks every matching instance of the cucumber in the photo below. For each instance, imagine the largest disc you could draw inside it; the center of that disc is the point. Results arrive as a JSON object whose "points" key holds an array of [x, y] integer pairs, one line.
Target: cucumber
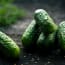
{"points": [[40, 40], [61, 35], [8, 47], [30, 35], [46, 42], [45, 21]]}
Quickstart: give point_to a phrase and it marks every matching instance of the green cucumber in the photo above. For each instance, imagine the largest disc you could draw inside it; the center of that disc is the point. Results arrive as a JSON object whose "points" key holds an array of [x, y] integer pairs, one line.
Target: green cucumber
{"points": [[30, 35], [45, 21], [61, 35], [40, 40], [46, 42], [8, 47]]}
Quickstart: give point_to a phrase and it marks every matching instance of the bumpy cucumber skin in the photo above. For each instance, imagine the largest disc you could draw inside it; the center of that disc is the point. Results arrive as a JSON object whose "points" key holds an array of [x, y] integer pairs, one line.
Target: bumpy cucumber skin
{"points": [[45, 21], [61, 35], [30, 35], [8, 47], [46, 42]]}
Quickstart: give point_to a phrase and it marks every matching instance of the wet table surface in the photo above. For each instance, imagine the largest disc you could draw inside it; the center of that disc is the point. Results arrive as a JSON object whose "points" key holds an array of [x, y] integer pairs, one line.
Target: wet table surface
{"points": [[15, 31]]}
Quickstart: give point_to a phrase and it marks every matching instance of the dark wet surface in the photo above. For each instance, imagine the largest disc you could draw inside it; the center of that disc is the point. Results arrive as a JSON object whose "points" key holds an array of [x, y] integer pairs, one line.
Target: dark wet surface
{"points": [[15, 31]]}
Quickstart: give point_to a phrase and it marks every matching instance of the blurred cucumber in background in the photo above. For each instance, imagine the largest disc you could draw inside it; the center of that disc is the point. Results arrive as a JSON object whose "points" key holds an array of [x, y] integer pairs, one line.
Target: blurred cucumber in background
{"points": [[10, 13]]}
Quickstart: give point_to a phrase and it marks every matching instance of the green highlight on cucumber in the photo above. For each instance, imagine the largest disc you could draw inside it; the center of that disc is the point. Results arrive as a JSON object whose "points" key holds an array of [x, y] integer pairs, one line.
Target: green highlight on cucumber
{"points": [[46, 42], [61, 35], [30, 35], [45, 22], [8, 47]]}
